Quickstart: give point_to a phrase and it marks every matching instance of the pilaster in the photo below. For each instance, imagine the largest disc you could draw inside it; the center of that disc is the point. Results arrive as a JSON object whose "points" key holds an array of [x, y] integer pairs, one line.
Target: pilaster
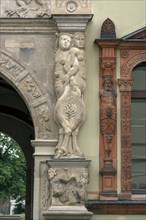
{"points": [[108, 111], [43, 149]]}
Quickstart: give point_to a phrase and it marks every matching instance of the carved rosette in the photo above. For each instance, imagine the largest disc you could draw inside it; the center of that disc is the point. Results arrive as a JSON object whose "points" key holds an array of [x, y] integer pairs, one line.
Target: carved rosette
{"points": [[129, 59]]}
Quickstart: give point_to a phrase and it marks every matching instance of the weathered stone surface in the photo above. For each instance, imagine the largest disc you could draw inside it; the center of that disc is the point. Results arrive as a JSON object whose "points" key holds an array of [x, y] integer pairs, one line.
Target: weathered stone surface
{"points": [[70, 83], [43, 8]]}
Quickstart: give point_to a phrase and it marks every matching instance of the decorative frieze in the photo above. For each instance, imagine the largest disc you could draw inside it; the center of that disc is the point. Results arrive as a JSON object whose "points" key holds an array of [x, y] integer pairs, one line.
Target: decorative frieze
{"points": [[10, 65], [71, 7], [29, 9], [43, 8]]}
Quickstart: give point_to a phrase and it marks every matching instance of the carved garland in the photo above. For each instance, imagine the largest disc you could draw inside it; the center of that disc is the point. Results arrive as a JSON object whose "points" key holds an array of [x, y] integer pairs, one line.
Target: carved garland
{"points": [[29, 88], [129, 59]]}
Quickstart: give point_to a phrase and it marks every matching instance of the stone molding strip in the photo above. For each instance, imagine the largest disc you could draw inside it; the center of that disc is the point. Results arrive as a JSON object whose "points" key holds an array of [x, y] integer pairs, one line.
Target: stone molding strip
{"points": [[27, 26]]}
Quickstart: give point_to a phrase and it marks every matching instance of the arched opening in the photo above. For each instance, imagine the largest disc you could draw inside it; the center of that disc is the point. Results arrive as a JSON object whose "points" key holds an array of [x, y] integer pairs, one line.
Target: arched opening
{"points": [[138, 128], [12, 177], [16, 122]]}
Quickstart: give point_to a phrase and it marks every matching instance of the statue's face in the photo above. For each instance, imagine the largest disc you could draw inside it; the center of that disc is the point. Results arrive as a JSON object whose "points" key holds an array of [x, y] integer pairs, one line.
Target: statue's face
{"points": [[108, 85], [79, 40], [64, 42]]}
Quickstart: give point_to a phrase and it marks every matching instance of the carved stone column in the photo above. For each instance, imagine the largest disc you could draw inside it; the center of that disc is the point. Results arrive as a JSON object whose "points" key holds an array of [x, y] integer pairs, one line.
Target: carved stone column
{"points": [[68, 172], [125, 86], [108, 111], [44, 149]]}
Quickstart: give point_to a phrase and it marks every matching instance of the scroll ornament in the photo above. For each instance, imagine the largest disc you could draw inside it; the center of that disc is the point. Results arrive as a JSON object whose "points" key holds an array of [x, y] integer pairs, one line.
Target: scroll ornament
{"points": [[30, 8]]}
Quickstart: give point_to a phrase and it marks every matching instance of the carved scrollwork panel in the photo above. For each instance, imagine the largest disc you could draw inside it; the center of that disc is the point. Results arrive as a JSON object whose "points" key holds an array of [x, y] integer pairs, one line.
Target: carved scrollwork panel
{"points": [[11, 66], [29, 9], [68, 185]]}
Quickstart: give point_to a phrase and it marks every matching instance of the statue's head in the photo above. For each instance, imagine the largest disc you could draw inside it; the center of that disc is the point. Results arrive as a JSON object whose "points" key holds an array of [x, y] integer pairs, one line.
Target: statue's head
{"points": [[64, 41], [79, 40]]}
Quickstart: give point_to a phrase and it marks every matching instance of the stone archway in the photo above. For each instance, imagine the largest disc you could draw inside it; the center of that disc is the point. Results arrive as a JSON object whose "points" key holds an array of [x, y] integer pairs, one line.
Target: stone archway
{"points": [[23, 82], [130, 58], [29, 88]]}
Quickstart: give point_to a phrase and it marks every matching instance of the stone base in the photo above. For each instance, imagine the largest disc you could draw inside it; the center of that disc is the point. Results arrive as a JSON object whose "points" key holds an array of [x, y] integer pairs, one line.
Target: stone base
{"points": [[125, 196], [67, 213]]}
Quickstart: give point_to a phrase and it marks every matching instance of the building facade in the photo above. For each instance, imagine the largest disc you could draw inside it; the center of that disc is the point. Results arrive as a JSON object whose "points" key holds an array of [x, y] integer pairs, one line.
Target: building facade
{"points": [[73, 95]]}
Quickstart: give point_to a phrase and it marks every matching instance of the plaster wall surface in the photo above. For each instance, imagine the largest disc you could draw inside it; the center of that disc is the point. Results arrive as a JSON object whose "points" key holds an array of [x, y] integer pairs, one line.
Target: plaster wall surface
{"points": [[128, 16], [118, 217]]}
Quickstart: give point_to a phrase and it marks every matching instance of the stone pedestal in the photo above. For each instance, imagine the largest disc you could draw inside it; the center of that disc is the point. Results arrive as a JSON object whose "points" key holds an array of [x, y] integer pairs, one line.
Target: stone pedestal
{"points": [[68, 179], [67, 213]]}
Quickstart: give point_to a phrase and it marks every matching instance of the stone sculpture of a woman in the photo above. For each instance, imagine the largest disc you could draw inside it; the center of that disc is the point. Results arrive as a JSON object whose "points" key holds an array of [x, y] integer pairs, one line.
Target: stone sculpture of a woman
{"points": [[69, 112]]}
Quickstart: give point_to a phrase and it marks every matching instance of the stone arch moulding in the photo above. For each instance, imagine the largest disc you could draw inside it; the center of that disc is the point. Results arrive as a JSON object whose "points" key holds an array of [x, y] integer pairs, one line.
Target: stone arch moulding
{"points": [[129, 58], [34, 95]]}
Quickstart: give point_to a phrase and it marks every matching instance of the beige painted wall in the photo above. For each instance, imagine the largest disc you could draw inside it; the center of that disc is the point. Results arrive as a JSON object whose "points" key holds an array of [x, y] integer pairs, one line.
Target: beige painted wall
{"points": [[128, 16], [119, 217]]}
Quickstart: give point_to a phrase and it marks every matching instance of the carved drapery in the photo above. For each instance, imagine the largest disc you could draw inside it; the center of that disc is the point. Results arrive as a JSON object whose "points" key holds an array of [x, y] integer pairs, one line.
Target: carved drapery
{"points": [[108, 110], [129, 59]]}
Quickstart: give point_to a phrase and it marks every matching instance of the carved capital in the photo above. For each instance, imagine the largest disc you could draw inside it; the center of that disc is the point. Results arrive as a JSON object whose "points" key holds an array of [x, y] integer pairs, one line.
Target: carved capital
{"points": [[125, 85]]}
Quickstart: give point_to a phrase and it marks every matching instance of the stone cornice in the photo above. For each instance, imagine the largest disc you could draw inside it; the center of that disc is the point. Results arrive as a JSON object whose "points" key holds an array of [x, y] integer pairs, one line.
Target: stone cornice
{"points": [[27, 26], [72, 23]]}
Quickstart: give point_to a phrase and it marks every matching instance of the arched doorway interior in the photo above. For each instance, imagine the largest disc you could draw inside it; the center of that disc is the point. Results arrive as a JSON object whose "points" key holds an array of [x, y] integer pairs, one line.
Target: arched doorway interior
{"points": [[15, 121]]}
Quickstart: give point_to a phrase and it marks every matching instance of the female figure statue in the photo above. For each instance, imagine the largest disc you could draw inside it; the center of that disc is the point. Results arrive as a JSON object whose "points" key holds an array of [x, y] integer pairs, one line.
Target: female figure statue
{"points": [[69, 111]]}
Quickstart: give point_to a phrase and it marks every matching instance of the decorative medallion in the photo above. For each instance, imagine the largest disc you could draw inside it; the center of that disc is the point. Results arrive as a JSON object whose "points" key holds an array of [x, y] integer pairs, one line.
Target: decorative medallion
{"points": [[71, 6]]}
